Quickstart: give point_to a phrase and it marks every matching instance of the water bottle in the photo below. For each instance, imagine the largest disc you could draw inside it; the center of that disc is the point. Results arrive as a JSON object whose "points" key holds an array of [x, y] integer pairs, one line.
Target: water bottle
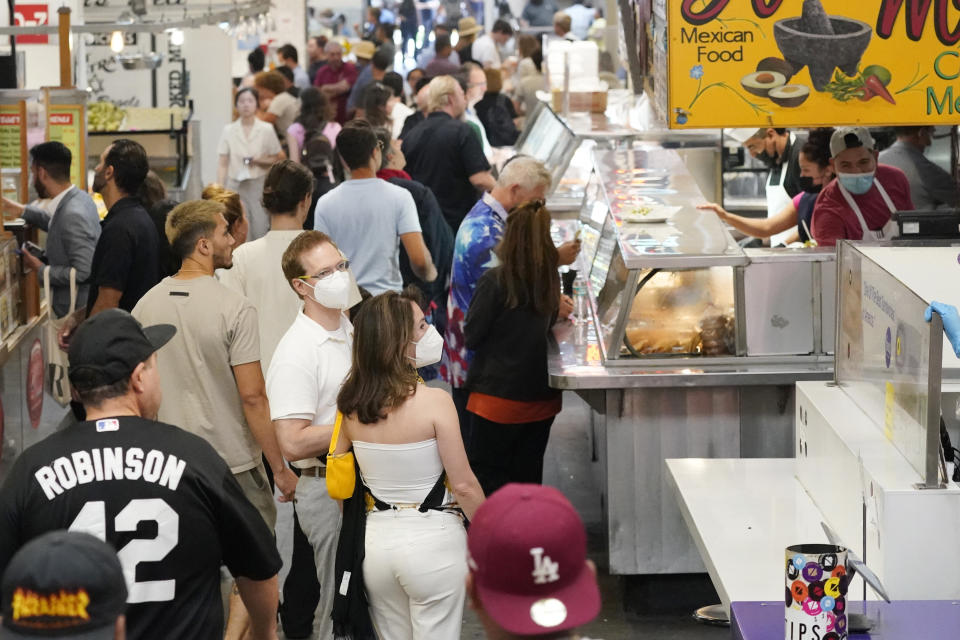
{"points": [[580, 300]]}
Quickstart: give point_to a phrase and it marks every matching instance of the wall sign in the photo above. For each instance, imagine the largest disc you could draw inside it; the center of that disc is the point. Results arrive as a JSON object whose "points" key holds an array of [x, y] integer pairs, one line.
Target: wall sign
{"points": [[742, 63], [10, 125], [32, 15], [65, 124]]}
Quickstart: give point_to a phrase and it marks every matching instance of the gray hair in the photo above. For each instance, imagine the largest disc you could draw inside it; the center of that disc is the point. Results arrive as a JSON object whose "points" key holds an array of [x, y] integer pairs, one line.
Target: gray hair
{"points": [[526, 172]]}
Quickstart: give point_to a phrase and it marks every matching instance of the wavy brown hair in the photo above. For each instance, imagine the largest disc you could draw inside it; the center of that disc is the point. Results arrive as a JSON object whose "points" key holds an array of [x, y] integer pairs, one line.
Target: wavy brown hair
{"points": [[529, 260], [382, 377]]}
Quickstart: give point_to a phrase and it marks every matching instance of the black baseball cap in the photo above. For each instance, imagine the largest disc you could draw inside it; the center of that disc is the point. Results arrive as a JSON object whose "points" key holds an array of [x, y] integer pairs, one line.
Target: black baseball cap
{"points": [[108, 347], [64, 584]]}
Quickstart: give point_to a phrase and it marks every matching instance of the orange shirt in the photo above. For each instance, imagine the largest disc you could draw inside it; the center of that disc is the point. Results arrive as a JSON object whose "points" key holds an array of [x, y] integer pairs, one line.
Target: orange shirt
{"points": [[506, 411]]}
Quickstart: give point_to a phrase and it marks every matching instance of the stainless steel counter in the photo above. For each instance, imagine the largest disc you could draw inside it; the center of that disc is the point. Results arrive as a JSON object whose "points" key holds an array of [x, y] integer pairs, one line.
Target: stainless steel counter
{"points": [[575, 363]]}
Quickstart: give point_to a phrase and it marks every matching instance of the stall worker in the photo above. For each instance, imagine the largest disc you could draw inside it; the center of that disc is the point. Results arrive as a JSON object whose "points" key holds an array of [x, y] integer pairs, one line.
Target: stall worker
{"points": [[778, 150], [859, 203], [815, 173], [70, 220], [930, 186]]}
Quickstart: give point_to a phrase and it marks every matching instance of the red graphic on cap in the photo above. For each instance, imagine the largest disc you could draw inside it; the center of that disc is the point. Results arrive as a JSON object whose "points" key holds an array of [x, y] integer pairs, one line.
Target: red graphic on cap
{"points": [[35, 383]]}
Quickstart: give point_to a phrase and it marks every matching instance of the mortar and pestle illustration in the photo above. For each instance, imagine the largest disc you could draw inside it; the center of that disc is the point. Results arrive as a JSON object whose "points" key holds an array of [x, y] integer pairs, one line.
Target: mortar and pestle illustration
{"points": [[822, 42]]}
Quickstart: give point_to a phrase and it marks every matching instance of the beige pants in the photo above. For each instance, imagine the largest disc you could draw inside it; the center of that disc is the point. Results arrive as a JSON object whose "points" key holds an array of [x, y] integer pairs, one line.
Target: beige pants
{"points": [[257, 489]]}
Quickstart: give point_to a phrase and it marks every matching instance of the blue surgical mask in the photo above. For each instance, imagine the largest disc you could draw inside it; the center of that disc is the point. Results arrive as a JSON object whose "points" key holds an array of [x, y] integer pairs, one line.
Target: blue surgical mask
{"points": [[856, 183]]}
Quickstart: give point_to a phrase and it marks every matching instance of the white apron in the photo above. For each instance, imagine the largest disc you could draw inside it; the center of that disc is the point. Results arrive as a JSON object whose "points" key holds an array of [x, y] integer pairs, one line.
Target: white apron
{"points": [[887, 231], [778, 198]]}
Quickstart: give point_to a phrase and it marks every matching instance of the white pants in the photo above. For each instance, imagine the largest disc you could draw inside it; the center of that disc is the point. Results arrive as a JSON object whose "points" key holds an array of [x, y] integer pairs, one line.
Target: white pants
{"points": [[414, 571], [319, 518]]}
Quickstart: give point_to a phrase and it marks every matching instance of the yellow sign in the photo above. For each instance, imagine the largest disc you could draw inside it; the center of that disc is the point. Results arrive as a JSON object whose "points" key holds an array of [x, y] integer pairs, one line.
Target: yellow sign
{"points": [[10, 126], [65, 124], [799, 63]]}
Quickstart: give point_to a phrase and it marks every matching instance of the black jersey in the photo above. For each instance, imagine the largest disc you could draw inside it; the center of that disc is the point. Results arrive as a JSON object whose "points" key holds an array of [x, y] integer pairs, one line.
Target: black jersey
{"points": [[165, 500]]}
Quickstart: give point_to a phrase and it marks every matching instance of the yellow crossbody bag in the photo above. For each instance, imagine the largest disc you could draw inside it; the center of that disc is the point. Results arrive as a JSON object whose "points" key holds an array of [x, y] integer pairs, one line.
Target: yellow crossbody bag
{"points": [[341, 468]]}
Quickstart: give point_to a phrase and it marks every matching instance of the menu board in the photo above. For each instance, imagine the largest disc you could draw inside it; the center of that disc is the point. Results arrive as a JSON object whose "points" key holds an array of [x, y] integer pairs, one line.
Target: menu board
{"points": [[800, 63], [11, 136], [65, 125], [10, 126]]}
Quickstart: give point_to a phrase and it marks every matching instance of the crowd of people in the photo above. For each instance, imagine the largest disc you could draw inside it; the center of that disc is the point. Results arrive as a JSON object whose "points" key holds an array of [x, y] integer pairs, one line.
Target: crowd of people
{"points": [[353, 245]]}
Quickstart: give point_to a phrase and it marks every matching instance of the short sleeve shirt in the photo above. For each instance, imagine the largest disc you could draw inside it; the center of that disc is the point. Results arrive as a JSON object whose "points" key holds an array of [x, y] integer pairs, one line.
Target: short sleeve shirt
{"points": [[473, 255], [366, 218], [833, 219], [125, 257], [257, 274], [238, 144], [485, 52], [286, 108], [327, 75], [308, 368], [159, 495], [216, 330], [443, 153]]}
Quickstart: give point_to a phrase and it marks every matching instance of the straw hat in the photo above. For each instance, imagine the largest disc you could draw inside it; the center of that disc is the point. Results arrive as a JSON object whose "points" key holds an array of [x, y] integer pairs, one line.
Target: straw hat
{"points": [[364, 49], [467, 27]]}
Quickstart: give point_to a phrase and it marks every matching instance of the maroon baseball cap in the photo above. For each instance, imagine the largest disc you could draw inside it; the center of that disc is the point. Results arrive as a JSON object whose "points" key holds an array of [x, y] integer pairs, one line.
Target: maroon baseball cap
{"points": [[528, 555]]}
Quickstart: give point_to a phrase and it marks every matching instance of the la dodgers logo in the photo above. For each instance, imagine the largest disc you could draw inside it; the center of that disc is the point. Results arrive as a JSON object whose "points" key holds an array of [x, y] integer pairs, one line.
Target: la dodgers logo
{"points": [[544, 569]]}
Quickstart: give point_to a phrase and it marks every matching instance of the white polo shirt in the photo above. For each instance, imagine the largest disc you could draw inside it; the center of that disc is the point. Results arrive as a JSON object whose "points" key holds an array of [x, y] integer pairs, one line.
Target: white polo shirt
{"points": [[307, 370]]}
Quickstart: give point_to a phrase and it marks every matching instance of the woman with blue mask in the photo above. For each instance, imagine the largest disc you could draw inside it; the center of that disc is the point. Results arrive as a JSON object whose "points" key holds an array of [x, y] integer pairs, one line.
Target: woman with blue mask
{"points": [[815, 173], [859, 204]]}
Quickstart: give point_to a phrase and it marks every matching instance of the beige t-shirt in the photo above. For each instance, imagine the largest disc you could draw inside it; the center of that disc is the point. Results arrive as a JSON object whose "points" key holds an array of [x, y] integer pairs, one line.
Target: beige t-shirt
{"points": [[286, 108], [216, 329], [258, 275]]}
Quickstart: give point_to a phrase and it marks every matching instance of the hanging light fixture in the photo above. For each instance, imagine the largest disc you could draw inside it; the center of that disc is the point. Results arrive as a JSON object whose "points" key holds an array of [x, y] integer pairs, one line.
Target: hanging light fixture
{"points": [[116, 42], [176, 37]]}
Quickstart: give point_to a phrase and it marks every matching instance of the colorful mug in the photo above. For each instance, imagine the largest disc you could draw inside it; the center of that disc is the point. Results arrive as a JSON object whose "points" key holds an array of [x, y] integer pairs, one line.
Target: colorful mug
{"points": [[816, 592]]}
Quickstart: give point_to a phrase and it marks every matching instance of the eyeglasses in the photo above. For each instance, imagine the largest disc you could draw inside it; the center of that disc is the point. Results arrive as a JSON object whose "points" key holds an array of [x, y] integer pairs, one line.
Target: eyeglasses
{"points": [[343, 265]]}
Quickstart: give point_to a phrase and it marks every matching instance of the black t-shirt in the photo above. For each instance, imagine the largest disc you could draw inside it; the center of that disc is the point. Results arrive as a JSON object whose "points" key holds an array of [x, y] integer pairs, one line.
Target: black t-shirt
{"points": [[443, 153], [127, 254], [497, 113], [163, 498]]}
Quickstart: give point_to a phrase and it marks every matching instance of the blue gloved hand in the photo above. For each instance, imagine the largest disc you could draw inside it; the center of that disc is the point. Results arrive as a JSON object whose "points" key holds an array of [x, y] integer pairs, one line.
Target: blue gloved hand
{"points": [[951, 322]]}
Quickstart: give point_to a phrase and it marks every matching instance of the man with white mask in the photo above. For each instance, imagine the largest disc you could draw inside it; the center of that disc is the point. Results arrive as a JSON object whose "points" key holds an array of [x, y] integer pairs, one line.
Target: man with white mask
{"points": [[309, 365], [859, 203]]}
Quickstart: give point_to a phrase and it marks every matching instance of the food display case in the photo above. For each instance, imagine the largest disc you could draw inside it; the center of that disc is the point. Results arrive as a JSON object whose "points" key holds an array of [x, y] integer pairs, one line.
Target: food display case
{"points": [[692, 346], [166, 133]]}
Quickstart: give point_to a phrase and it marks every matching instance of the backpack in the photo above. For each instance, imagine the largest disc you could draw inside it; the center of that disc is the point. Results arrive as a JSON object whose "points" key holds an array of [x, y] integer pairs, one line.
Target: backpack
{"points": [[319, 157]]}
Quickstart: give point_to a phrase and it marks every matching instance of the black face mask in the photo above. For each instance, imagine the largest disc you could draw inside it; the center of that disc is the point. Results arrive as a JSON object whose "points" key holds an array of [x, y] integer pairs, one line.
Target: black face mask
{"points": [[806, 184], [767, 159]]}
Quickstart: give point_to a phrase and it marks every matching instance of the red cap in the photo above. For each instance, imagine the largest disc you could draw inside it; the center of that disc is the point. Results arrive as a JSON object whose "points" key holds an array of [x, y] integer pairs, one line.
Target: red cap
{"points": [[528, 555]]}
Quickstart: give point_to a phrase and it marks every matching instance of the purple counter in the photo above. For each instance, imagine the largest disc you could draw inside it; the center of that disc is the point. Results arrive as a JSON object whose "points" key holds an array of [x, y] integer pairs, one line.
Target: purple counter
{"points": [[904, 620]]}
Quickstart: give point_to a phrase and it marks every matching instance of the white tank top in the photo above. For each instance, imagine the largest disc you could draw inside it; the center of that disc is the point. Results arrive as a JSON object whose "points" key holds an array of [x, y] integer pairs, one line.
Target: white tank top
{"points": [[400, 474]]}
